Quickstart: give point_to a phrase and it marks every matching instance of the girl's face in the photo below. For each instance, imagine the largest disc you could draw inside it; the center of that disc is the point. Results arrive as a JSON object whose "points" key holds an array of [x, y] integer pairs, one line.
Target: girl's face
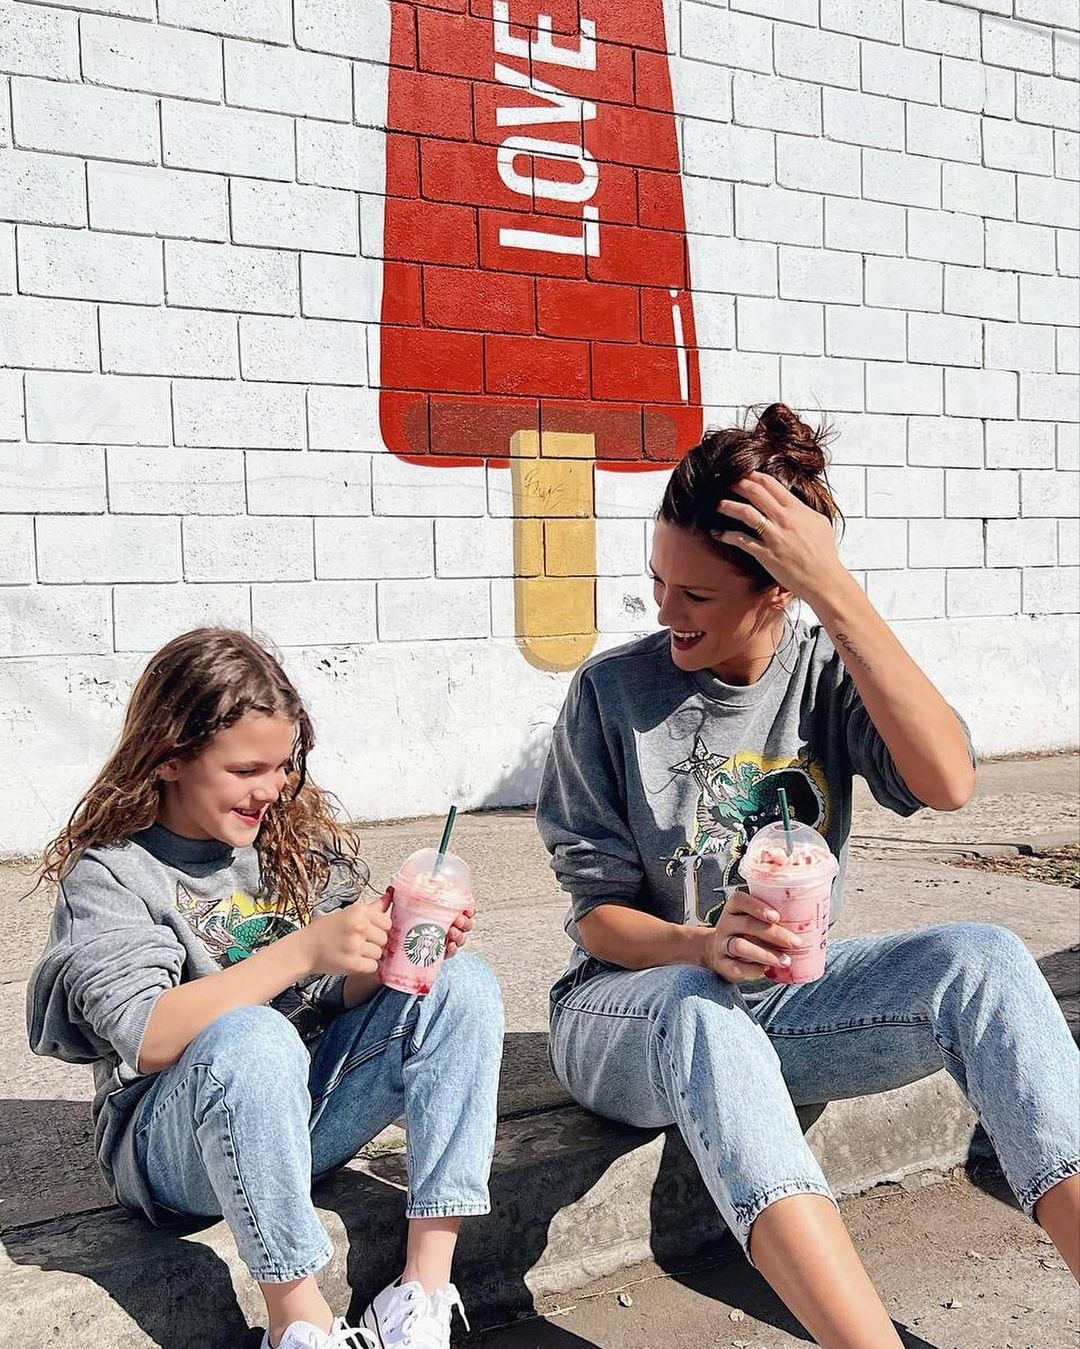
{"points": [[718, 619], [224, 792]]}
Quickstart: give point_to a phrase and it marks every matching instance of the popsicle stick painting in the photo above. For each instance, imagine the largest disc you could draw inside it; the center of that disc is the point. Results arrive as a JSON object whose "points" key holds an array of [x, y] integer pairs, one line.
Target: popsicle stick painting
{"points": [[536, 312]]}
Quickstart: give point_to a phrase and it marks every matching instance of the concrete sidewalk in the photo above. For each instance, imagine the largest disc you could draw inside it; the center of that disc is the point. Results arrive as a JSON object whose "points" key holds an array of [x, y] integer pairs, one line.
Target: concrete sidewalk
{"points": [[576, 1199]]}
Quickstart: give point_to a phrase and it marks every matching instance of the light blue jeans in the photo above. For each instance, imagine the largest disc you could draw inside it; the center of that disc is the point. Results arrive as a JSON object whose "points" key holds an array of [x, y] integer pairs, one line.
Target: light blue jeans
{"points": [[678, 1045], [248, 1117]]}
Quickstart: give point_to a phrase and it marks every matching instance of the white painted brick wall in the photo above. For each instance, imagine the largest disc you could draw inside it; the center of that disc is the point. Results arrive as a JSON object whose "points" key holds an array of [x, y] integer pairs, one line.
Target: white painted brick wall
{"points": [[881, 198]]}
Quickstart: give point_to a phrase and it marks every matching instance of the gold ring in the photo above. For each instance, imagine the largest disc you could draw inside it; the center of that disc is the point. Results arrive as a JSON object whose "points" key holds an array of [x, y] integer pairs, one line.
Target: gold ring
{"points": [[759, 528], [727, 945]]}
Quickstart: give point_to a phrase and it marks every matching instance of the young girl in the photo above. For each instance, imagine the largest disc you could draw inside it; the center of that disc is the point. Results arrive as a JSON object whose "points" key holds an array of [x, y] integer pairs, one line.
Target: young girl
{"points": [[210, 956], [668, 755]]}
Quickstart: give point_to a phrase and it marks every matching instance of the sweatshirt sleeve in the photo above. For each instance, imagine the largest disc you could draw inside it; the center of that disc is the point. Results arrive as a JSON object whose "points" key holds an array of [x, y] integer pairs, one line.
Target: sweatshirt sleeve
{"points": [[106, 965], [581, 809]]}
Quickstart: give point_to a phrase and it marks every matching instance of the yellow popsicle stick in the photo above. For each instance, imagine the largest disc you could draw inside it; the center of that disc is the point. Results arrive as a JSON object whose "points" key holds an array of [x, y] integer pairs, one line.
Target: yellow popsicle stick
{"points": [[554, 521]]}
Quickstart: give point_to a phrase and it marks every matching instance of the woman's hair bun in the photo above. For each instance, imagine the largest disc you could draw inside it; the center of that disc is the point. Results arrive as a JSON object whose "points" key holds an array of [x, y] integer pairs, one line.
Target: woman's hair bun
{"points": [[792, 439]]}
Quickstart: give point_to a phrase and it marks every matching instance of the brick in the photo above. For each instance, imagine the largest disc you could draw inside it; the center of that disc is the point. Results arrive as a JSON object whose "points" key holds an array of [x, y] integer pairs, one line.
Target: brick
{"points": [[1049, 299], [708, 29], [227, 140], [907, 594], [1051, 590], [1068, 252], [817, 165], [623, 373], [734, 266], [624, 605], [466, 548], [730, 153], [1019, 346], [908, 179], [1048, 102], [864, 226], [698, 89], [55, 621], [343, 287], [1067, 56], [895, 493], [980, 393], [1049, 398], [931, 26], [1020, 46], [980, 293], [82, 120], [454, 362], [864, 439], [985, 192], [1068, 541], [945, 236], [289, 216], [135, 200], [11, 405], [53, 478], [772, 214], [945, 543], [400, 488], [48, 334], [715, 320], [973, 87], [873, 545], [40, 41], [822, 382], [1045, 201], [247, 548], [977, 592], [263, 20], [944, 339], [982, 493], [331, 483], [138, 341], [371, 90], [945, 442], [779, 325], [97, 409], [820, 274], [872, 333], [105, 548], [7, 259], [899, 73], [863, 119], [848, 483], [305, 351], [791, 11], [1044, 494], [564, 308], [629, 496], [277, 79], [361, 31], [219, 276], [85, 265], [880, 19], [343, 418], [806, 54], [316, 613], [903, 283], [16, 550], [620, 547], [943, 132], [1019, 248], [341, 156], [147, 616], [175, 482], [1068, 351], [1021, 543], [150, 57], [373, 548], [776, 104], [234, 414], [1068, 447], [1018, 146], [433, 610], [1015, 444], [897, 387]]}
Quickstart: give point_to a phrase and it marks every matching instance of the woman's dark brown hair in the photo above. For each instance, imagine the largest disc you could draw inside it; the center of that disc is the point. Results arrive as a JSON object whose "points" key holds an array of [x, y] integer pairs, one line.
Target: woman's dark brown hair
{"points": [[777, 442], [198, 685]]}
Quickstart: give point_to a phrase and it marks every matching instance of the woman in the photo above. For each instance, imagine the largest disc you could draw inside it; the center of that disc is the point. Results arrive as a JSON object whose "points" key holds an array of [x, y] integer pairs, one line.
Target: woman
{"points": [[667, 756]]}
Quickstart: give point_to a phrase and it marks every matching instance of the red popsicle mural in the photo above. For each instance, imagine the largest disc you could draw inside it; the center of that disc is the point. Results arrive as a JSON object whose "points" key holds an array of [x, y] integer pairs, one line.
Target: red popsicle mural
{"points": [[536, 311]]}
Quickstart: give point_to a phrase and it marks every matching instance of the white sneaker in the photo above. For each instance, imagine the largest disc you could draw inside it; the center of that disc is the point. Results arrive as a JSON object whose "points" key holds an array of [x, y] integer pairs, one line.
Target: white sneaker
{"points": [[303, 1335], [403, 1316]]}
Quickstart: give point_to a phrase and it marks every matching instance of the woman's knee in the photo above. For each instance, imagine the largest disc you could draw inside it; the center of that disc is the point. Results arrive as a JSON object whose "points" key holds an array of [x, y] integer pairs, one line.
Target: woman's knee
{"points": [[468, 992], [985, 950], [255, 1040]]}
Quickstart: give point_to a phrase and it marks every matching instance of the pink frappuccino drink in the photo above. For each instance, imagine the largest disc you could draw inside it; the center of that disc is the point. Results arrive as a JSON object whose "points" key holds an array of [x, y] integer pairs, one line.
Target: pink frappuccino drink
{"points": [[798, 885], [428, 896]]}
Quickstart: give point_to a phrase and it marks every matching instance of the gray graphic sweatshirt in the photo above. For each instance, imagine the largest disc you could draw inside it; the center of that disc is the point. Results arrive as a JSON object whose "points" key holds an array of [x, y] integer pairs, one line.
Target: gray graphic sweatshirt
{"points": [[657, 778], [130, 922]]}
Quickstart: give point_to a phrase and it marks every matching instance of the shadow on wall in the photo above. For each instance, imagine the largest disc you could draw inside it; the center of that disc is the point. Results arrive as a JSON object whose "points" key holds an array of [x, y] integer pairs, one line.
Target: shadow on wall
{"points": [[519, 781]]}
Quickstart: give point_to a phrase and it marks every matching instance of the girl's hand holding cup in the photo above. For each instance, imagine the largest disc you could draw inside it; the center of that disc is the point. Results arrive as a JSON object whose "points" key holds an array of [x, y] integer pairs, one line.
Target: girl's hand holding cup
{"points": [[459, 931], [351, 940], [748, 939]]}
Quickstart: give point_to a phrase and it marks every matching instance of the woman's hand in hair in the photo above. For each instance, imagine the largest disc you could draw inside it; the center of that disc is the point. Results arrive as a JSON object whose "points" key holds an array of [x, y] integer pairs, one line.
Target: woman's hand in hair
{"points": [[795, 545], [459, 931], [350, 940], [748, 939]]}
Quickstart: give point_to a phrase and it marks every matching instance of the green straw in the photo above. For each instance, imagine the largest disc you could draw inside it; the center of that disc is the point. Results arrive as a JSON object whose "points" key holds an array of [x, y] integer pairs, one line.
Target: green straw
{"points": [[786, 813], [444, 842]]}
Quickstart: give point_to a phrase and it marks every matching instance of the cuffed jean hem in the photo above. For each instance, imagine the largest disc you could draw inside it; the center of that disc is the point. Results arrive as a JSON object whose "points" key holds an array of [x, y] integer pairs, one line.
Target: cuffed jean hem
{"points": [[447, 1210], [747, 1214], [1035, 1191], [275, 1274]]}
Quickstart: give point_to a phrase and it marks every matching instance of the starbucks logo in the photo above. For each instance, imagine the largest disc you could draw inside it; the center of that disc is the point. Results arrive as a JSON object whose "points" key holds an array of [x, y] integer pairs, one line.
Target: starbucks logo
{"points": [[424, 943]]}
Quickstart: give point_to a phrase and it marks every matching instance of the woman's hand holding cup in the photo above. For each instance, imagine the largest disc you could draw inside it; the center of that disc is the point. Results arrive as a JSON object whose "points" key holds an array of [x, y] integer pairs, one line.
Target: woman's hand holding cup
{"points": [[748, 940]]}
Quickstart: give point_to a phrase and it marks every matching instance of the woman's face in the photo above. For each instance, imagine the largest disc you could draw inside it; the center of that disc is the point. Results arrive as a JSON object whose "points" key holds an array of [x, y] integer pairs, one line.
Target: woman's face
{"points": [[717, 617]]}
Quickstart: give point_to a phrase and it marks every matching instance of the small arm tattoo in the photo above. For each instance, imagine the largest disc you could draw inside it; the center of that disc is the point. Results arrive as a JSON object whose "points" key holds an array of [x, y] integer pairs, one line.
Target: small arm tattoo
{"points": [[845, 641]]}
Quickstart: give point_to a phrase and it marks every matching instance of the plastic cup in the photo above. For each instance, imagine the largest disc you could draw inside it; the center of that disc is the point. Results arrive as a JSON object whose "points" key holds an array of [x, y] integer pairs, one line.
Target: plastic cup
{"points": [[798, 885], [426, 903]]}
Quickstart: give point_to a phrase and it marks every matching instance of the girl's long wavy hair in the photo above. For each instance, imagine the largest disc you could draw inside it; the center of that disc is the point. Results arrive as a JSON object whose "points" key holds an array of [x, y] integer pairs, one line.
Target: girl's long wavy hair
{"points": [[198, 685]]}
